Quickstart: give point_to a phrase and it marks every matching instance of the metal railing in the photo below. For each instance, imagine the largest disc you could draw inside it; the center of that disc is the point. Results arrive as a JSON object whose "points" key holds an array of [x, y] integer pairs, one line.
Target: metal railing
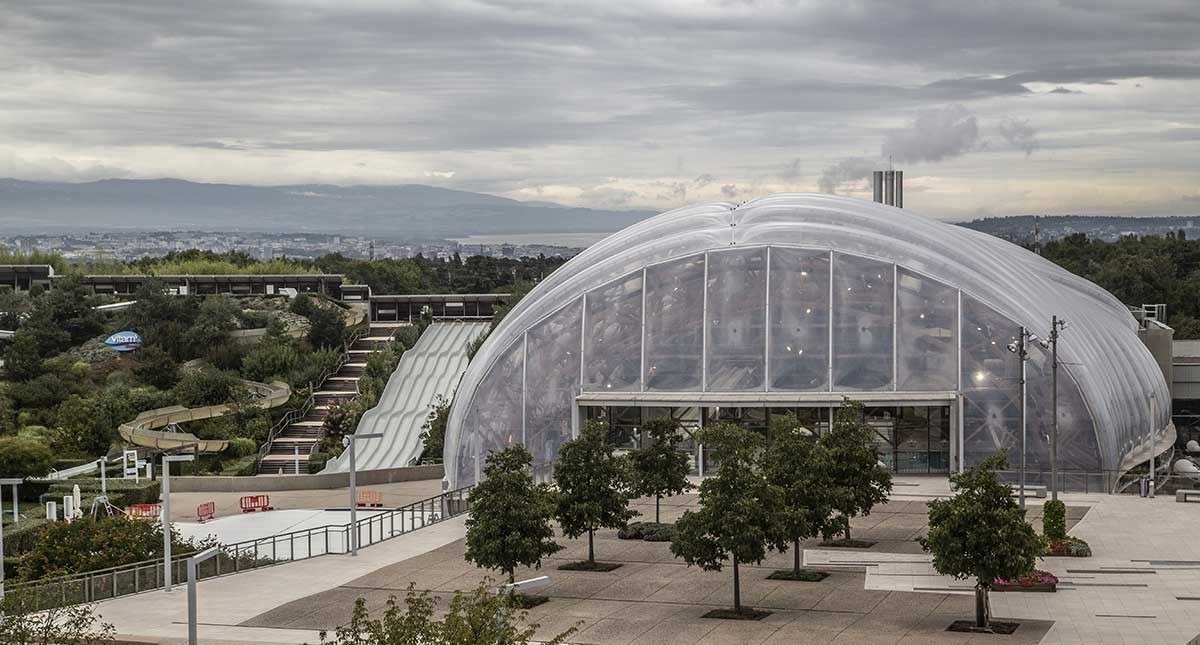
{"points": [[333, 539]]}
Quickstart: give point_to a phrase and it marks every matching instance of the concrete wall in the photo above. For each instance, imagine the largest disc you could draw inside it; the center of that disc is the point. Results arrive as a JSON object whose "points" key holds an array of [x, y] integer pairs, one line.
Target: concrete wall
{"points": [[1158, 339], [323, 481]]}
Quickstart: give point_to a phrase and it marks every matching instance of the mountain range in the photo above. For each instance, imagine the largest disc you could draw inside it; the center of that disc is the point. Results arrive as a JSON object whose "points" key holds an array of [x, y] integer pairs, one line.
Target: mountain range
{"points": [[414, 211]]}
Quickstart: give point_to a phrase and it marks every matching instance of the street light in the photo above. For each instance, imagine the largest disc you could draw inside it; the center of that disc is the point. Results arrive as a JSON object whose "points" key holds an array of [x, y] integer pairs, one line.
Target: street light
{"points": [[1019, 347], [167, 460], [1056, 326], [192, 563], [349, 442]]}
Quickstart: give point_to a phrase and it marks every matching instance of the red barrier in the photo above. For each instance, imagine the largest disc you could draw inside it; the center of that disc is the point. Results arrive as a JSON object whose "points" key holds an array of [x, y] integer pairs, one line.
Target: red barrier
{"points": [[206, 511], [149, 511], [370, 498], [252, 503]]}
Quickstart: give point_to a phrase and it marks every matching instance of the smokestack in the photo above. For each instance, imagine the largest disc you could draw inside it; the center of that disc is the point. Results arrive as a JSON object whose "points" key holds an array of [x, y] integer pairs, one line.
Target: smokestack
{"points": [[877, 186], [899, 189], [889, 187]]}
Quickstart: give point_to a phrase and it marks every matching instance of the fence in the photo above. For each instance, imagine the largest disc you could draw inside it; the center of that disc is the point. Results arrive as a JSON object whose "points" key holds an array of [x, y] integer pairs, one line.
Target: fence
{"points": [[147, 575]]}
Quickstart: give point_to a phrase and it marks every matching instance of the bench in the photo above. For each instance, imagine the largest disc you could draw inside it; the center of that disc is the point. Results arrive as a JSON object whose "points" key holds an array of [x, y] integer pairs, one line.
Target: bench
{"points": [[1187, 495], [148, 511], [370, 498], [206, 511], [1030, 491], [252, 503]]}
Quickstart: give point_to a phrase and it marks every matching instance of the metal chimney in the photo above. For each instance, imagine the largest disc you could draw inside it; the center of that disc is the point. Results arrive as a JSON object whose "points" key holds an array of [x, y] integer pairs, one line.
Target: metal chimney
{"points": [[899, 181], [889, 187], [877, 186]]}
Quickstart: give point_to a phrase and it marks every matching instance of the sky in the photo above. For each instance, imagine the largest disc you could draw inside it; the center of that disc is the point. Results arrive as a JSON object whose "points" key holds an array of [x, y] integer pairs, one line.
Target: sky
{"points": [[990, 107]]}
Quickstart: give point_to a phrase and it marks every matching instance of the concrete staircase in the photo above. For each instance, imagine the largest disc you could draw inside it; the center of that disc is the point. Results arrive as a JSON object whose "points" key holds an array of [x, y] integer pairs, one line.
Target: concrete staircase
{"points": [[304, 430]]}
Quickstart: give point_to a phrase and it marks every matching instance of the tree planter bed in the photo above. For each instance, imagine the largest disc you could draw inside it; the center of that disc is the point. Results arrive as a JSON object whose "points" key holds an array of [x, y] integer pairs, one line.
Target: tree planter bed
{"points": [[849, 544], [744, 614], [994, 627], [805, 575], [602, 567], [1036, 582]]}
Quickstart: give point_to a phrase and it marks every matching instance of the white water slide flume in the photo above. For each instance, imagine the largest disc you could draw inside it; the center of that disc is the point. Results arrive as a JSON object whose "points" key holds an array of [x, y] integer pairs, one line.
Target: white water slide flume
{"points": [[430, 369]]}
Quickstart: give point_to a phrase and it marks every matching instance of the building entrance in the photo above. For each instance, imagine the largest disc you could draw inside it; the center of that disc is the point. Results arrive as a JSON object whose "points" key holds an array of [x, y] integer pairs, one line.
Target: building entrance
{"points": [[909, 439]]}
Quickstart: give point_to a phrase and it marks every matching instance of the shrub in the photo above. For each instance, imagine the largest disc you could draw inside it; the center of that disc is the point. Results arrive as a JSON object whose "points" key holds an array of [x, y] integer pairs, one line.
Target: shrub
{"points": [[24, 457], [89, 544], [1054, 520], [241, 447], [205, 388], [317, 461]]}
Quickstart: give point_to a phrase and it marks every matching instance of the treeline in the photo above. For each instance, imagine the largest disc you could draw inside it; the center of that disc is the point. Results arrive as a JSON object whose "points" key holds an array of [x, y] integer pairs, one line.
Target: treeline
{"points": [[1140, 270], [471, 274]]}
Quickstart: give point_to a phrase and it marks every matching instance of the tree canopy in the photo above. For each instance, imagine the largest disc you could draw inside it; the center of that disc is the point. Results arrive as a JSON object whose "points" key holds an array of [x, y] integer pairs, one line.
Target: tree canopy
{"points": [[659, 469], [593, 486]]}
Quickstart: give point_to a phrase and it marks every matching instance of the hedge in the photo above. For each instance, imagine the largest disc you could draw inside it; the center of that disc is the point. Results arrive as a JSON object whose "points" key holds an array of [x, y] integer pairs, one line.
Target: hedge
{"points": [[1054, 520]]}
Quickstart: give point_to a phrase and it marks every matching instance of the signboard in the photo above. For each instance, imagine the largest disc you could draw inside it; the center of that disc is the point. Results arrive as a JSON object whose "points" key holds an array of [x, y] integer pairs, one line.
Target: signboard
{"points": [[124, 341]]}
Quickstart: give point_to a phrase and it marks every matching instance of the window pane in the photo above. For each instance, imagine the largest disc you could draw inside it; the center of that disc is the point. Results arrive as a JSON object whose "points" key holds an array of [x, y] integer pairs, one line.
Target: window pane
{"points": [[737, 301], [674, 340], [551, 382], [862, 324], [799, 319], [990, 384], [497, 410], [927, 320], [613, 341]]}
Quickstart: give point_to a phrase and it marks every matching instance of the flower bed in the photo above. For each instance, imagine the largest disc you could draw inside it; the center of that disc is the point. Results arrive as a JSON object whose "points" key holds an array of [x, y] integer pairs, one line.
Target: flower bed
{"points": [[1069, 547], [1038, 581]]}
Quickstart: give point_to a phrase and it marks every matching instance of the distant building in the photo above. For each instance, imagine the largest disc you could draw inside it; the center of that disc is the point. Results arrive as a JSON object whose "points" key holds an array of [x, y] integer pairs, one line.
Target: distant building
{"points": [[22, 277]]}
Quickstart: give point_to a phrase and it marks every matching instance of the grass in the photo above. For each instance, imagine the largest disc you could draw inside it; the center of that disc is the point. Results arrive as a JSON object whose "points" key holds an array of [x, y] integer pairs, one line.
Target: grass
{"points": [[584, 565], [804, 575], [849, 544], [968, 626], [746, 613]]}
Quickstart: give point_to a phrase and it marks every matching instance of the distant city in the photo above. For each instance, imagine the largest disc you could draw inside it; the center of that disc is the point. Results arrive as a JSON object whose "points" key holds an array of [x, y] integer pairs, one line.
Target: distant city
{"points": [[126, 245], [264, 246]]}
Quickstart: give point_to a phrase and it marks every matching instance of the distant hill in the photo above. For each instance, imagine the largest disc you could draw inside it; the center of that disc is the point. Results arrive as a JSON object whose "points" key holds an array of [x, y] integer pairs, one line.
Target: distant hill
{"points": [[1020, 228], [408, 211]]}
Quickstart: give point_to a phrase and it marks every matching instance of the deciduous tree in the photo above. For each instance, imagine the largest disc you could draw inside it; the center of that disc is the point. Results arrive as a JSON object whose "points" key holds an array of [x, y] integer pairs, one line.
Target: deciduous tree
{"points": [[797, 464], [856, 478], [981, 533], [737, 520], [659, 468], [509, 525], [593, 486]]}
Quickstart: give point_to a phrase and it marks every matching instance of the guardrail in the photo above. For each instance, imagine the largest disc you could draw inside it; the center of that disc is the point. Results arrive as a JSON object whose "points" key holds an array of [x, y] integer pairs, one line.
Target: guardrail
{"points": [[334, 539]]}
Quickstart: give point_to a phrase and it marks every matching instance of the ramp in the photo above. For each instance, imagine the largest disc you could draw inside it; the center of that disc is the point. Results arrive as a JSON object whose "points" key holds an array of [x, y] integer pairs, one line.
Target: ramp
{"points": [[431, 368]]}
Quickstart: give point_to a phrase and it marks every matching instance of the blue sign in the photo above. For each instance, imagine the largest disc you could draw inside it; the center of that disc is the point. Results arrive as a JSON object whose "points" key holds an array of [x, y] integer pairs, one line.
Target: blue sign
{"points": [[124, 341]]}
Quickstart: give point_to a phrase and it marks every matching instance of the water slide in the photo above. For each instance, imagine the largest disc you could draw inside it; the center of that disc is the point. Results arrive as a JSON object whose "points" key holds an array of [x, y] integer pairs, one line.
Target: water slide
{"points": [[143, 430], [431, 368]]}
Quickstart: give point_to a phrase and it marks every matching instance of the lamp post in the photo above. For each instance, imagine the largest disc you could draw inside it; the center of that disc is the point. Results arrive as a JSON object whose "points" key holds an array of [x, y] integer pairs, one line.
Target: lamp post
{"points": [[192, 563], [1020, 347], [349, 442], [1056, 325], [167, 460], [1152, 447]]}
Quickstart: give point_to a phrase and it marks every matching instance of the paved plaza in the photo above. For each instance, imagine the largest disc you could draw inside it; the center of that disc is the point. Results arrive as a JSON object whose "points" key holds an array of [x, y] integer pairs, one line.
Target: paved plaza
{"points": [[1142, 586]]}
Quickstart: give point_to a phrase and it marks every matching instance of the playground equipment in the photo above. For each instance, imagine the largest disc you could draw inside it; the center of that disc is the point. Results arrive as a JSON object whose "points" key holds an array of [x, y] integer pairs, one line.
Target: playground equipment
{"points": [[142, 431]]}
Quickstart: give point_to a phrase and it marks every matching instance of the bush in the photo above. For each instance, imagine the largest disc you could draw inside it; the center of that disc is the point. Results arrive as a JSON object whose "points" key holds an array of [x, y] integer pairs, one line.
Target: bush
{"points": [[648, 531], [24, 457], [317, 461], [1054, 520], [89, 544], [241, 447], [205, 388]]}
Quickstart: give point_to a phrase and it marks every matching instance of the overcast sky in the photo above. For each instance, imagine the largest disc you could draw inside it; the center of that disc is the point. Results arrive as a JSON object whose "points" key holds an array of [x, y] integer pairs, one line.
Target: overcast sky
{"points": [[991, 107]]}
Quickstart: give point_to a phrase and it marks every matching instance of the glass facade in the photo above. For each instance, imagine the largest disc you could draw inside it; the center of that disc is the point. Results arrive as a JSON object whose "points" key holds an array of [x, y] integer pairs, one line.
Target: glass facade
{"points": [[791, 302]]}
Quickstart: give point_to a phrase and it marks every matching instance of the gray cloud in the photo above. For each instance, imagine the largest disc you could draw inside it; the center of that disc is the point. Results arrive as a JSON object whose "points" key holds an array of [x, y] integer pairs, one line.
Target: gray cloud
{"points": [[729, 191], [846, 171], [934, 134], [1019, 134]]}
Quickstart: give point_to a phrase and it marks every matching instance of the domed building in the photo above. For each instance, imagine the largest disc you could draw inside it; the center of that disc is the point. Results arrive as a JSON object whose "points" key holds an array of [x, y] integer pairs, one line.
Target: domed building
{"points": [[793, 302]]}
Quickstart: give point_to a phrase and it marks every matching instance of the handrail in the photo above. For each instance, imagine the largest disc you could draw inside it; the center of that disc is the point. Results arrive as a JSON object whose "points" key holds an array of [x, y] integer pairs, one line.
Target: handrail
{"points": [[294, 415], [331, 539]]}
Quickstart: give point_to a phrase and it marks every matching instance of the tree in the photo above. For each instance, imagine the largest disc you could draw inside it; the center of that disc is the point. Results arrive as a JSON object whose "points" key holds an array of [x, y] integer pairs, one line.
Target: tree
{"points": [[74, 625], [215, 320], [156, 367], [24, 457], [737, 519], [856, 478], [509, 524], [433, 432], [89, 544], [327, 327], [797, 464], [593, 486], [477, 618], [659, 468], [981, 532]]}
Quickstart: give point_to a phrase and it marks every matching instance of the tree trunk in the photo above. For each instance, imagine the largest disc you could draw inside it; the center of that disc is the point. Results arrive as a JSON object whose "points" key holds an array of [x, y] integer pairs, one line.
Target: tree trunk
{"points": [[737, 587], [796, 555], [982, 617], [591, 547], [847, 520], [657, 499]]}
